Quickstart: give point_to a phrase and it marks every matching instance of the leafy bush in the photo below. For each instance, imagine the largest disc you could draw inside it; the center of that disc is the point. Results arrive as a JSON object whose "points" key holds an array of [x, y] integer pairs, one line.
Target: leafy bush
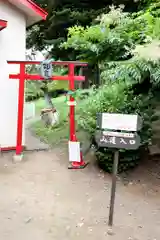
{"points": [[117, 98], [134, 70]]}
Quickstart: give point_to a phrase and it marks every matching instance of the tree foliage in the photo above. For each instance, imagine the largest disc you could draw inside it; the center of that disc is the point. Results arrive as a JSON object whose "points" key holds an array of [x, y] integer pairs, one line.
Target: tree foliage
{"points": [[114, 35], [64, 14]]}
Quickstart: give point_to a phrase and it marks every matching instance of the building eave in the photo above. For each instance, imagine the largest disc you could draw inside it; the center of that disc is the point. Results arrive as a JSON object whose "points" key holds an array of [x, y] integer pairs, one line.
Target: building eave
{"points": [[3, 24], [32, 11]]}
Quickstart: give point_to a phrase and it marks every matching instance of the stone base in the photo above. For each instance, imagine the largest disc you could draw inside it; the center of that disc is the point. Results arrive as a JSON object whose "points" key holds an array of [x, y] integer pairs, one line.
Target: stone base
{"points": [[17, 158], [77, 167], [50, 117], [110, 231]]}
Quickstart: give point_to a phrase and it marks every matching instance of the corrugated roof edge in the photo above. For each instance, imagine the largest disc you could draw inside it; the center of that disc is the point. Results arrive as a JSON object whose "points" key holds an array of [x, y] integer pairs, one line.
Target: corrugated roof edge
{"points": [[32, 6], [37, 9]]}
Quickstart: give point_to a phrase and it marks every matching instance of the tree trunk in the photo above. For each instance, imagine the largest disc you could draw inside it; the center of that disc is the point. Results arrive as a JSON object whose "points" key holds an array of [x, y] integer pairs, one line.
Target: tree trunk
{"points": [[48, 100], [97, 75], [86, 71]]}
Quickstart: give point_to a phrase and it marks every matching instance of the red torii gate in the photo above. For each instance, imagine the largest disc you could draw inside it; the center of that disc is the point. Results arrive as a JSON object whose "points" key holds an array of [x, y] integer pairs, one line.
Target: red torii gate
{"points": [[22, 76]]}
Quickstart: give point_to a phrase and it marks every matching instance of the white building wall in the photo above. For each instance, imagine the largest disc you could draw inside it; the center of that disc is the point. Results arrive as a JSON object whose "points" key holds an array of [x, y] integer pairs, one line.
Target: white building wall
{"points": [[12, 47]]}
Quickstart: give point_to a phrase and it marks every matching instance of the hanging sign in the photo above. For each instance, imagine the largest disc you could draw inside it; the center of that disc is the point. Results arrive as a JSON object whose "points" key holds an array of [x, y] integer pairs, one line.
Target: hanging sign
{"points": [[114, 136], [123, 122], [118, 131], [46, 69], [117, 140]]}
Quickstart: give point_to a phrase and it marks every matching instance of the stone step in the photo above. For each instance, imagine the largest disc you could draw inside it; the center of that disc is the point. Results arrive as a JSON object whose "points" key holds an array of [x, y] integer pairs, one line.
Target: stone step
{"points": [[154, 150], [156, 133], [156, 123], [155, 139]]}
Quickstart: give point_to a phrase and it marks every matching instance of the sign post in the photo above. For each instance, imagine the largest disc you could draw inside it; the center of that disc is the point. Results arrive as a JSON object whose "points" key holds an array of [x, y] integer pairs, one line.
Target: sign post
{"points": [[117, 131], [113, 188]]}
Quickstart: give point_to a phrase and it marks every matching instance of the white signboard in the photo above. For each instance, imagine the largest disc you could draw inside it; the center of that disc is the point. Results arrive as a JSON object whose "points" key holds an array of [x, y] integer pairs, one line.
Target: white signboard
{"points": [[124, 122], [118, 134], [74, 151]]}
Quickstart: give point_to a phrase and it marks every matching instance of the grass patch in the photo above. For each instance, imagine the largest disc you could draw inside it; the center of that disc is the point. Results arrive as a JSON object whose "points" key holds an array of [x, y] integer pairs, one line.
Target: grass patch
{"points": [[52, 135], [59, 133]]}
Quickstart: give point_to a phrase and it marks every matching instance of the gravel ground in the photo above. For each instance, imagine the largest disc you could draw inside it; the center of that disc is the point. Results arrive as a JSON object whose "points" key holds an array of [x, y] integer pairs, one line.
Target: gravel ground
{"points": [[41, 199]]}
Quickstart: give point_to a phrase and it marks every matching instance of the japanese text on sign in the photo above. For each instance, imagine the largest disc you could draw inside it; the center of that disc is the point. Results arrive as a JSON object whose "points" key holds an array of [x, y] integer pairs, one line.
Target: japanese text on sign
{"points": [[114, 140], [118, 142], [46, 69]]}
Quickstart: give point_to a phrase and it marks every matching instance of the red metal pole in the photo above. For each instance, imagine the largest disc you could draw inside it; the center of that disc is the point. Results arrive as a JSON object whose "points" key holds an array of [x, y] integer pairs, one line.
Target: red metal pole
{"points": [[72, 107], [36, 77], [20, 109], [75, 164], [76, 63]]}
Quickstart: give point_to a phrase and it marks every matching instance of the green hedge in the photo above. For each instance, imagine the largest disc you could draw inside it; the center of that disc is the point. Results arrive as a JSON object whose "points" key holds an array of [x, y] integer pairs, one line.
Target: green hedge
{"points": [[117, 98]]}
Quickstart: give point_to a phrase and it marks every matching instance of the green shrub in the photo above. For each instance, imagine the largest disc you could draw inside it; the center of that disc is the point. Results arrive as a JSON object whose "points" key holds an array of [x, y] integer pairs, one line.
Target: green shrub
{"points": [[117, 98], [128, 159]]}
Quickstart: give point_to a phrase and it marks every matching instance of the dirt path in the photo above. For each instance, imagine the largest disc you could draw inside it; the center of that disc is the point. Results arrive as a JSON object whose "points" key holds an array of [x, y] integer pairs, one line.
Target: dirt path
{"points": [[41, 199]]}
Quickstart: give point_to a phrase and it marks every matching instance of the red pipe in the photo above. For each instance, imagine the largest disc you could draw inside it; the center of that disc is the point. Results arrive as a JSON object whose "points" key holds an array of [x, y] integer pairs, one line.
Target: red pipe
{"points": [[19, 147], [75, 164], [67, 63], [38, 77], [72, 107]]}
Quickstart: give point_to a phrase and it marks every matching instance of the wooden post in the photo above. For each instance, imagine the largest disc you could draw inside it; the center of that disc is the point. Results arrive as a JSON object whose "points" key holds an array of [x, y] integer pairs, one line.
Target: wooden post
{"points": [[113, 189]]}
